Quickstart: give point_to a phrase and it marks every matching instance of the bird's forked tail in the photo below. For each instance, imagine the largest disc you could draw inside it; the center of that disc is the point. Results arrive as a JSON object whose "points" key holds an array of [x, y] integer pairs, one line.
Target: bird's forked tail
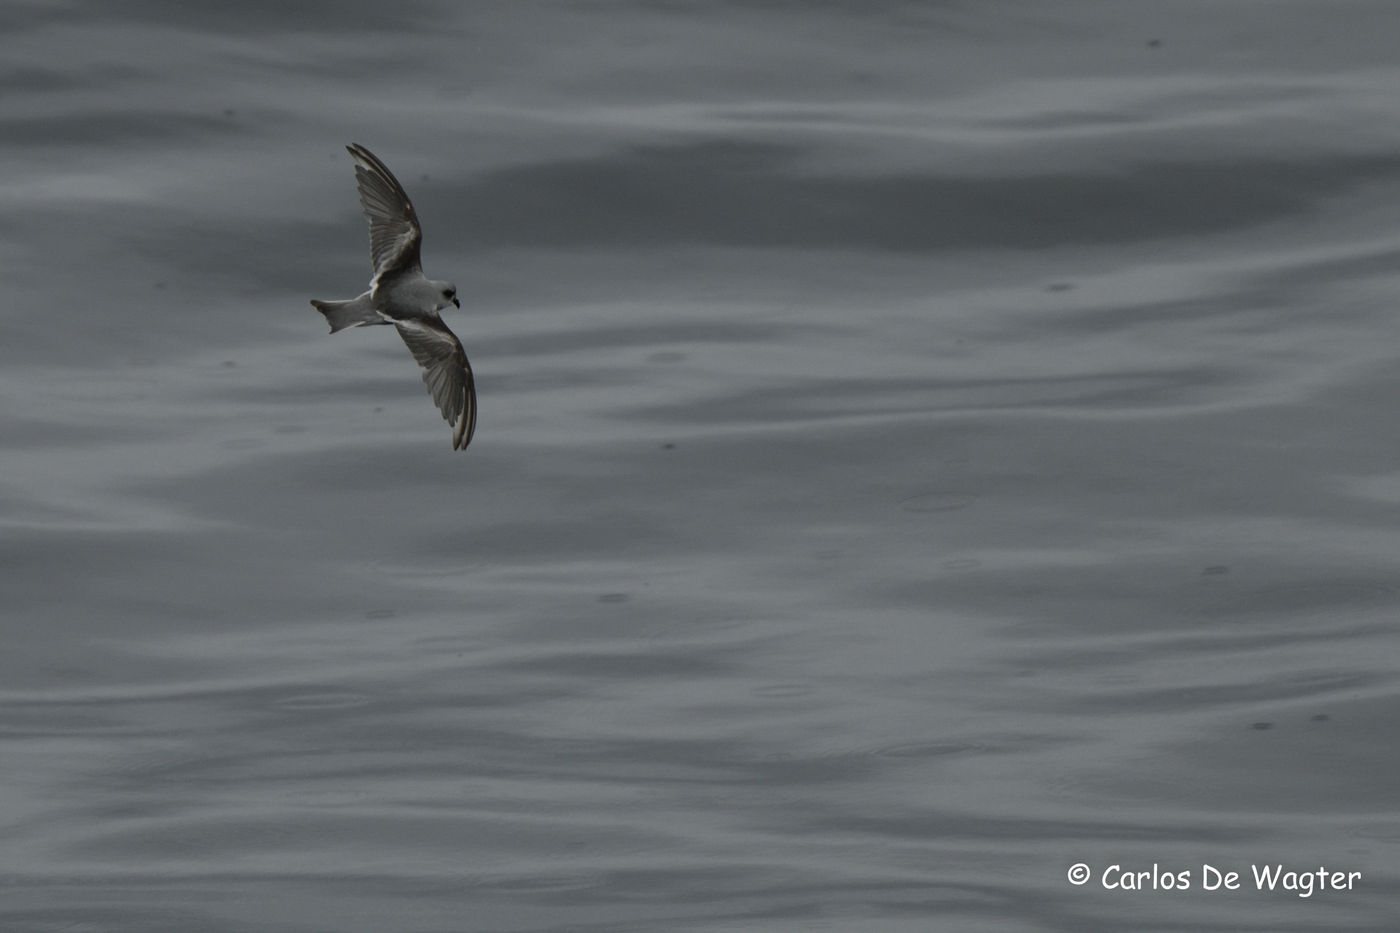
{"points": [[352, 313]]}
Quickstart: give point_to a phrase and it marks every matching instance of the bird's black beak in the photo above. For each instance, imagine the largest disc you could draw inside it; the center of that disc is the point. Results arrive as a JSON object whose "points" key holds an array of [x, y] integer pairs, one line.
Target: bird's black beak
{"points": [[456, 302]]}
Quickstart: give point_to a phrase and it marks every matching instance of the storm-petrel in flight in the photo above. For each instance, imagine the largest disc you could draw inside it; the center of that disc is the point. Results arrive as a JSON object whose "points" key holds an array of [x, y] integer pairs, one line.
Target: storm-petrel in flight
{"points": [[401, 295]]}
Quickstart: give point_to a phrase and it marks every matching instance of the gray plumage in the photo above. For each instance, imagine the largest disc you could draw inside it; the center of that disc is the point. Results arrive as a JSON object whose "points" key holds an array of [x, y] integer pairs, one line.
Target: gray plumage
{"points": [[401, 295]]}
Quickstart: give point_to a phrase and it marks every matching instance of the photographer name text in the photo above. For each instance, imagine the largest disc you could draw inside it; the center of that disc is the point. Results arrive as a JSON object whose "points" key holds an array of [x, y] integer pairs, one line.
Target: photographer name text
{"points": [[1276, 878]]}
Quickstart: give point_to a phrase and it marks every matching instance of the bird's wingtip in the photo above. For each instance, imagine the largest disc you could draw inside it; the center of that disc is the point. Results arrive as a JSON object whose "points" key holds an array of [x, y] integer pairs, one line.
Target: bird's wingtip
{"points": [[465, 427]]}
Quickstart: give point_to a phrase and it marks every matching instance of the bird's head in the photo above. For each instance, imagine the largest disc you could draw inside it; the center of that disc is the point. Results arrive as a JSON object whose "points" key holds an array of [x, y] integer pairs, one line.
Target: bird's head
{"points": [[447, 295]]}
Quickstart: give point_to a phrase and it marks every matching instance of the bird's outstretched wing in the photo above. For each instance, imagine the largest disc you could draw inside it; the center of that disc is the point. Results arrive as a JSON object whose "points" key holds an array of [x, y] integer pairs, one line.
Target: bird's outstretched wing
{"points": [[394, 234], [446, 373]]}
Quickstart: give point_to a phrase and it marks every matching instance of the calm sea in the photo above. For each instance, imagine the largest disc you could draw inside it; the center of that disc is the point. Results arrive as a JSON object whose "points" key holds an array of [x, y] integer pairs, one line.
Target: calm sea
{"points": [[927, 450]]}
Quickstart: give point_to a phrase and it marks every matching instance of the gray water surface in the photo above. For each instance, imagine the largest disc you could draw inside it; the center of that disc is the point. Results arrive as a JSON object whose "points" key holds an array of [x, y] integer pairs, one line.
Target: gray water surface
{"points": [[923, 446]]}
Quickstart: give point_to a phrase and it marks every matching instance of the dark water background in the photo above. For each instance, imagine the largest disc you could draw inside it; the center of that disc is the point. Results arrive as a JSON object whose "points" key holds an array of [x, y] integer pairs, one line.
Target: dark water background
{"points": [[923, 446]]}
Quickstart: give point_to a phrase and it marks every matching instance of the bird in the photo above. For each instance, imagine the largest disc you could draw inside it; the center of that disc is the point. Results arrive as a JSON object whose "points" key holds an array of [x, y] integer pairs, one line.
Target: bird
{"points": [[400, 294]]}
